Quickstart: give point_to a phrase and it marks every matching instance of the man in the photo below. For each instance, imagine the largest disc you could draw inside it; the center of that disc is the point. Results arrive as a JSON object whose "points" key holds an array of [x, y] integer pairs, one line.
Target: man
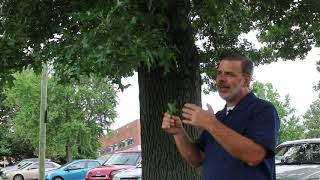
{"points": [[238, 142]]}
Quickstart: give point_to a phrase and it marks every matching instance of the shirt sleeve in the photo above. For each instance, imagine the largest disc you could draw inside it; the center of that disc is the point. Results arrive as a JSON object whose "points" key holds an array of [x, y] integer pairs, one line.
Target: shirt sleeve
{"points": [[263, 128]]}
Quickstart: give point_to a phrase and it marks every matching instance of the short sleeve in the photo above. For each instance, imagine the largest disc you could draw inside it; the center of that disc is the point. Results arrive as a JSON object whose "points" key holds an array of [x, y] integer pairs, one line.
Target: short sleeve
{"points": [[263, 128]]}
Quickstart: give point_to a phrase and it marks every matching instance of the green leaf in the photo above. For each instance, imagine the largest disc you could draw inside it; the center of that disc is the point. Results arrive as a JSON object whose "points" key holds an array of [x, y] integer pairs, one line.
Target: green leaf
{"points": [[172, 109]]}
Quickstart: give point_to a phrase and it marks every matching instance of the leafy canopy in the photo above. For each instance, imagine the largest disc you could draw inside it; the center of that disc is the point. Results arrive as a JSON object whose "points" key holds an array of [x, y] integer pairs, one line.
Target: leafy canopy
{"points": [[78, 113]]}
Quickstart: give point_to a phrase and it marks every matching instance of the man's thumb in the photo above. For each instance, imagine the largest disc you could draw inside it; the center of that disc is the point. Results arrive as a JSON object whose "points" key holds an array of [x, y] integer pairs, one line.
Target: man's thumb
{"points": [[210, 108]]}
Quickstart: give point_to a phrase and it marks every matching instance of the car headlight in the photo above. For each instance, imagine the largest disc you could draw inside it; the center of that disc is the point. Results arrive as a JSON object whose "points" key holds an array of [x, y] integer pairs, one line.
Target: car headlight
{"points": [[115, 178], [113, 173], [5, 174]]}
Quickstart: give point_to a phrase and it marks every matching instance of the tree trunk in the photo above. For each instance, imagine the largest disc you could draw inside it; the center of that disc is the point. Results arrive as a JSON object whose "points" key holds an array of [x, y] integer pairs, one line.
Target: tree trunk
{"points": [[69, 153], [160, 158]]}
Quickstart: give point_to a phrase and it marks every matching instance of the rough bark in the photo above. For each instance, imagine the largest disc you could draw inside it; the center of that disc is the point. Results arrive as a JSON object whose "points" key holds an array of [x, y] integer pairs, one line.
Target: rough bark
{"points": [[183, 84], [69, 153]]}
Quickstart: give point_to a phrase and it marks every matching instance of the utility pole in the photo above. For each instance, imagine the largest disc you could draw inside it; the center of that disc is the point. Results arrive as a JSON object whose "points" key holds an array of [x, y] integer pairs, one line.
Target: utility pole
{"points": [[43, 120]]}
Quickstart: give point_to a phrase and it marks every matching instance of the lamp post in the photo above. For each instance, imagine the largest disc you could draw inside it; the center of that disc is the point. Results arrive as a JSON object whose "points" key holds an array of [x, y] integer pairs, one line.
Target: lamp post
{"points": [[43, 119]]}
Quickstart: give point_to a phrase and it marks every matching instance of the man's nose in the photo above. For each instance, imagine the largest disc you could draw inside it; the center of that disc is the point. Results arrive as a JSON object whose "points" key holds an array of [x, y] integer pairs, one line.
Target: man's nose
{"points": [[221, 77]]}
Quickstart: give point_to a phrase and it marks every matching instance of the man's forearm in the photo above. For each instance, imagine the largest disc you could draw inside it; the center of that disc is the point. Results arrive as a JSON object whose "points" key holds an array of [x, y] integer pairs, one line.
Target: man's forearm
{"points": [[188, 150], [237, 145]]}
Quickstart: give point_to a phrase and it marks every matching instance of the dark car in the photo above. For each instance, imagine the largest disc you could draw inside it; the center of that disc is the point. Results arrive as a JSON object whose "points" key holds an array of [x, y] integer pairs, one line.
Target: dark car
{"points": [[298, 160]]}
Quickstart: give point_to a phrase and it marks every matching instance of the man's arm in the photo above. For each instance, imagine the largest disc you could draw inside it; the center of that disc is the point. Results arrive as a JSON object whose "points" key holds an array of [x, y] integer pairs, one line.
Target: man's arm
{"points": [[188, 150], [235, 144]]}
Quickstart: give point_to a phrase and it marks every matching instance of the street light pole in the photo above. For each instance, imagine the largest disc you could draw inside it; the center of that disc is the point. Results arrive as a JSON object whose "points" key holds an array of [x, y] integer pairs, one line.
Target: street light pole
{"points": [[43, 119]]}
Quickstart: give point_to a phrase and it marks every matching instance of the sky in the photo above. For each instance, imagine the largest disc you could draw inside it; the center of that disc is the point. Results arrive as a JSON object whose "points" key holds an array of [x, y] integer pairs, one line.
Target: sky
{"points": [[295, 78]]}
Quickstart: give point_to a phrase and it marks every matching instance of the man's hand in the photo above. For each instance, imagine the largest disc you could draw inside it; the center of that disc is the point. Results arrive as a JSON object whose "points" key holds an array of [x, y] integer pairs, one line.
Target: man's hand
{"points": [[197, 117], [171, 124]]}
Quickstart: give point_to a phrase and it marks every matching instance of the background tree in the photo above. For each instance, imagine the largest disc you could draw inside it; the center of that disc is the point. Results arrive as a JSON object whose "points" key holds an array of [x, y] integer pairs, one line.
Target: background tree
{"points": [[291, 127], [78, 114], [312, 120], [157, 39]]}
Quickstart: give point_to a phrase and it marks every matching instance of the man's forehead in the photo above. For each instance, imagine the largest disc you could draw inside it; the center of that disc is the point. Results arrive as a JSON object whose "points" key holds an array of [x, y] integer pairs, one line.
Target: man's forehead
{"points": [[230, 65]]}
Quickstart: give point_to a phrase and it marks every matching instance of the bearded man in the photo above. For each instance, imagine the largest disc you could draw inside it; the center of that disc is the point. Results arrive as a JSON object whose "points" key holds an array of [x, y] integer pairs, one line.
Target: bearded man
{"points": [[238, 142]]}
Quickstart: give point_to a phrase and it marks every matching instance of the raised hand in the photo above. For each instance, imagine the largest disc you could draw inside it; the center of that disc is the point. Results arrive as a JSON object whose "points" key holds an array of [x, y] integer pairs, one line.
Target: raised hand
{"points": [[197, 117]]}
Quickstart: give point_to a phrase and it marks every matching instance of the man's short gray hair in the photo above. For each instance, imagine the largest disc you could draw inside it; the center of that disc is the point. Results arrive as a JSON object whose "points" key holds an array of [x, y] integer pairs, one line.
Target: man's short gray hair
{"points": [[246, 64]]}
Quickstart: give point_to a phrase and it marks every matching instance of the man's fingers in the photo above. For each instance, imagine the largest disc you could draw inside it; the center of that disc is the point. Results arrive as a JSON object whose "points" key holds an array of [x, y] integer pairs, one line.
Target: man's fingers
{"points": [[186, 116], [192, 106], [187, 122], [187, 110], [166, 114]]}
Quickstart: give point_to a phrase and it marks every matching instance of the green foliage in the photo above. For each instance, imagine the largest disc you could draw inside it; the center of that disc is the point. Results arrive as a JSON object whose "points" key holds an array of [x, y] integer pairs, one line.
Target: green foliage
{"points": [[312, 120], [115, 37], [290, 126], [172, 109], [78, 113]]}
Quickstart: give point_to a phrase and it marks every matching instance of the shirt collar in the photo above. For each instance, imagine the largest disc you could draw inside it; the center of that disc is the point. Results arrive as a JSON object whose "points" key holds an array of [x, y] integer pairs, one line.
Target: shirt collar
{"points": [[243, 102]]}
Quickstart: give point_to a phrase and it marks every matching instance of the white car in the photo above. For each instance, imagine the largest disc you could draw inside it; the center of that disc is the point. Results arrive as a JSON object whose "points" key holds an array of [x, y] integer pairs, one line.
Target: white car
{"points": [[298, 160], [28, 171], [132, 174]]}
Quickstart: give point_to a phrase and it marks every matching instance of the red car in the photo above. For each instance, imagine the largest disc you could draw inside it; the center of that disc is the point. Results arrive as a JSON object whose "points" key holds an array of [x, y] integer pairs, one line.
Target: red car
{"points": [[118, 161]]}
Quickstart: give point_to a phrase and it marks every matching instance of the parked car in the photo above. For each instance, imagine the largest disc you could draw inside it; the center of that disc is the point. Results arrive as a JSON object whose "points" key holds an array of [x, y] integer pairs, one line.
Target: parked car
{"points": [[130, 174], [298, 160], [75, 170], [28, 171], [104, 158], [19, 164], [118, 161]]}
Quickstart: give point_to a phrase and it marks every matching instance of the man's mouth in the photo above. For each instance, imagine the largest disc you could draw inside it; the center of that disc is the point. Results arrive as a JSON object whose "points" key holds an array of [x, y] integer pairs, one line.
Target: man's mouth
{"points": [[223, 88]]}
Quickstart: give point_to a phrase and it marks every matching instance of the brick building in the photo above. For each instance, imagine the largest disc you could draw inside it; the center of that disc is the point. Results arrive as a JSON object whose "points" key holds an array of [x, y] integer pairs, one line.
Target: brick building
{"points": [[125, 138]]}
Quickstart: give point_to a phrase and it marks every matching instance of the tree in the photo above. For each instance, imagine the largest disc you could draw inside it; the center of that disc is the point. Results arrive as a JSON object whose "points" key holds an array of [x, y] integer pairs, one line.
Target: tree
{"points": [[290, 126], [157, 39], [317, 87], [78, 114], [312, 118]]}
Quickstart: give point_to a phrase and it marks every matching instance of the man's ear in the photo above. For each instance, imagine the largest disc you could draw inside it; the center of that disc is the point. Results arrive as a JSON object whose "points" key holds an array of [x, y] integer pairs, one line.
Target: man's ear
{"points": [[247, 80]]}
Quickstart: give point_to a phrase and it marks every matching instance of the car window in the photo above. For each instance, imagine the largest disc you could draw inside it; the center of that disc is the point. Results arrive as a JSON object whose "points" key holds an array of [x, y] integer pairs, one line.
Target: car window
{"points": [[24, 165], [92, 164], [77, 165], [123, 159], [50, 165], [307, 153], [34, 166]]}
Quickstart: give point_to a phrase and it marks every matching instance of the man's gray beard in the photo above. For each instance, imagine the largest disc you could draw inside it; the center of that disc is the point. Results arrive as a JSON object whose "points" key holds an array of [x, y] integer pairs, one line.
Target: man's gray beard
{"points": [[234, 93]]}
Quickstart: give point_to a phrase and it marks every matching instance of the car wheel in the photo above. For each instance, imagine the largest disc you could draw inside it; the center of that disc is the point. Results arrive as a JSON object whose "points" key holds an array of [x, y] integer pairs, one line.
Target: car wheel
{"points": [[57, 178], [18, 177]]}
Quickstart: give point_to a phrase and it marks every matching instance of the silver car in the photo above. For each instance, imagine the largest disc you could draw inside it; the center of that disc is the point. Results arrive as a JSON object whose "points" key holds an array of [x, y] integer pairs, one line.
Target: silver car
{"points": [[298, 160], [130, 174], [28, 171], [16, 166]]}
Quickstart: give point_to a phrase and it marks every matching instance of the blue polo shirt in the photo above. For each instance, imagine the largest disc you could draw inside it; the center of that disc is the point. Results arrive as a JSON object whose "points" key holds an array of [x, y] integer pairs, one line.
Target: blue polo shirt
{"points": [[253, 118]]}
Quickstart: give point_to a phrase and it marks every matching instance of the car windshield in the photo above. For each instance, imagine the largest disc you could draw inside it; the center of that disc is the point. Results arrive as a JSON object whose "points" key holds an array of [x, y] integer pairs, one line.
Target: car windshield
{"points": [[123, 159], [306, 153]]}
